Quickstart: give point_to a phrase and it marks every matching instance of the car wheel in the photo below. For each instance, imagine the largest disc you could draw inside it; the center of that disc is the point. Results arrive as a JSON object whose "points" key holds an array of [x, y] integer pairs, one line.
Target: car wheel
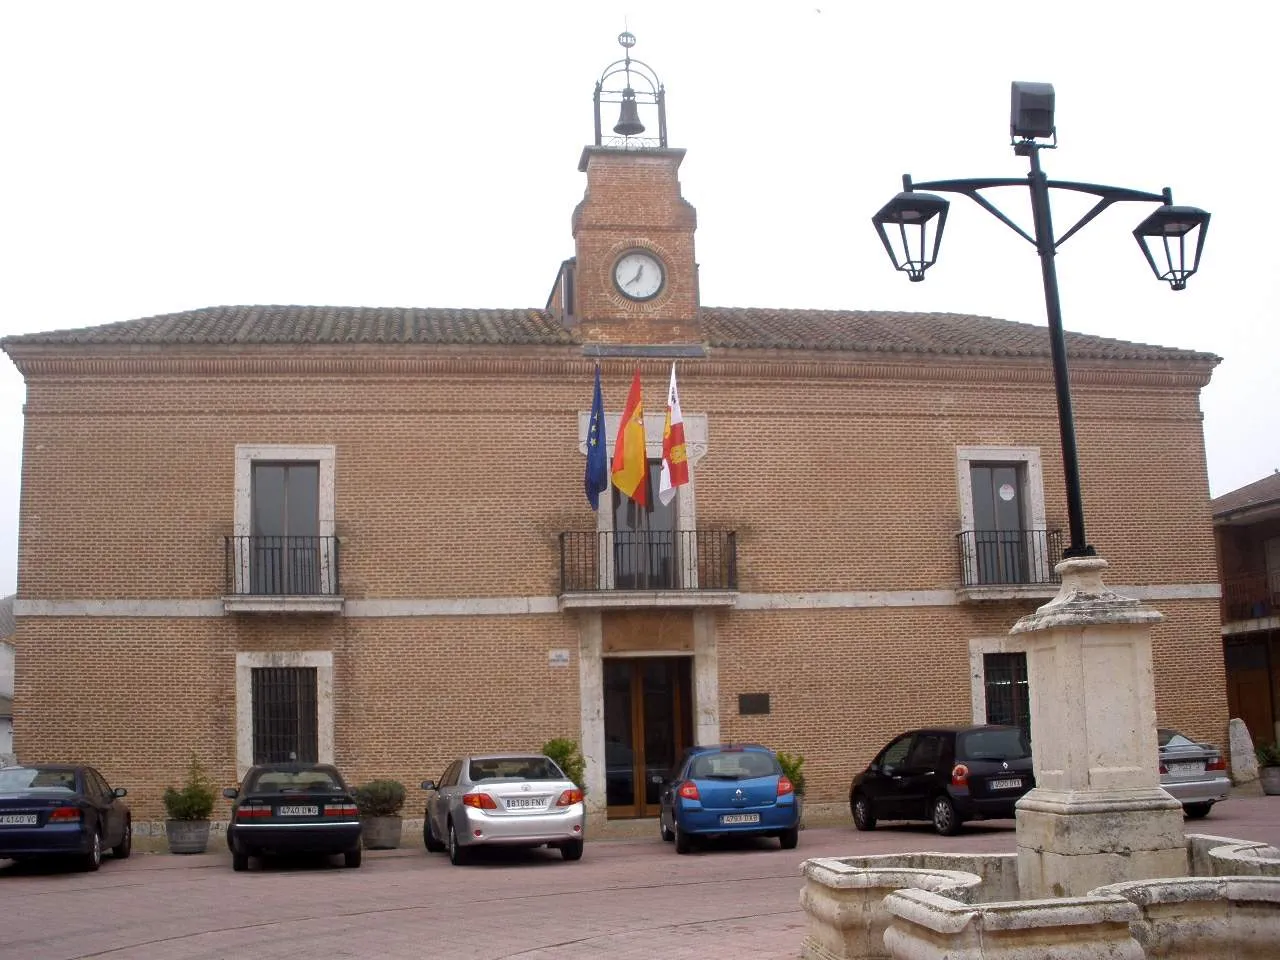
{"points": [[789, 838], [93, 859], [429, 838], [1197, 811], [684, 842], [239, 861], [862, 817], [353, 857], [122, 850], [666, 835], [945, 820], [571, 849], [457, 853]]}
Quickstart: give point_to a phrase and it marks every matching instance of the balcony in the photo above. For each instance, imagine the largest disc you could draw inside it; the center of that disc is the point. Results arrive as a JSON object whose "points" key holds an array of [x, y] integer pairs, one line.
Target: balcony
{"points": [[1009, 564], [282, 575], [1252, 597], [682, 568]]}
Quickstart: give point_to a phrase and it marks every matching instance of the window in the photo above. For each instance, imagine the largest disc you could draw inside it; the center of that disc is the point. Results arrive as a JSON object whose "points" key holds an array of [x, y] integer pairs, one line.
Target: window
{"points": [[644, 538], [927, 752], [284, 544], [1007, 688], [284, 715], [895, 754], [1003, 535]]}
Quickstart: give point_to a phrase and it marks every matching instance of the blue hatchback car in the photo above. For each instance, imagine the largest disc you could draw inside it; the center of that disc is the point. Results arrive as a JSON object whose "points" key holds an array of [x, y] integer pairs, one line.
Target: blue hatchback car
{"points": [[728, 789]]}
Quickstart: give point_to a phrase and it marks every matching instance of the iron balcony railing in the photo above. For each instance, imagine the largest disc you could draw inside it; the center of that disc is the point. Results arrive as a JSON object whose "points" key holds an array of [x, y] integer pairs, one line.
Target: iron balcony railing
{"points": [[648, 560], [1251, 597], [998, 558], [282, 566]]}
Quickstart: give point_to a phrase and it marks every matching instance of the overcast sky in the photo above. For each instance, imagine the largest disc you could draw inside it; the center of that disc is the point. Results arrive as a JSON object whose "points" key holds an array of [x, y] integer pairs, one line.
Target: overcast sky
{"points": [[166, 156]]}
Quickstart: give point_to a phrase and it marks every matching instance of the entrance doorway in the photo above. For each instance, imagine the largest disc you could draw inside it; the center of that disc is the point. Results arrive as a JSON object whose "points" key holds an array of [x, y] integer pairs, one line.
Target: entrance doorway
{"points": [[648, 722]]}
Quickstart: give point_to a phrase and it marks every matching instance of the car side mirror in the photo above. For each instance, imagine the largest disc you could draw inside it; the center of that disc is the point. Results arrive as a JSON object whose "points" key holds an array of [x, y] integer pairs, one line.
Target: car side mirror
{"points": [[119, 792], [231, 793], [428, 784]]}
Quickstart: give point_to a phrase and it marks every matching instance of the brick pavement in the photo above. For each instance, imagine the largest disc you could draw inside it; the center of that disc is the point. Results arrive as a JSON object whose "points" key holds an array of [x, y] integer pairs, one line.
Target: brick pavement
{"points": [[626, 899]]}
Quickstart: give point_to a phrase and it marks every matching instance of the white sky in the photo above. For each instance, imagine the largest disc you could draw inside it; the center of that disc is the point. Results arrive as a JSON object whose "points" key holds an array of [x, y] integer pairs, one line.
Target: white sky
{"points": [[166, 156]]}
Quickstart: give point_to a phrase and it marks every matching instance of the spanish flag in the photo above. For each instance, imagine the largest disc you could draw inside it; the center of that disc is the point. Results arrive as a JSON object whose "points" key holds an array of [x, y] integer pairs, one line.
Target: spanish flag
{"points": [[630, 463]]}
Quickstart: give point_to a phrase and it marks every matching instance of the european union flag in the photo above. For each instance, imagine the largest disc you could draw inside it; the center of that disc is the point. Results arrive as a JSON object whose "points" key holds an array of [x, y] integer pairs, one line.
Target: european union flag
{"points": [[596, 479]]}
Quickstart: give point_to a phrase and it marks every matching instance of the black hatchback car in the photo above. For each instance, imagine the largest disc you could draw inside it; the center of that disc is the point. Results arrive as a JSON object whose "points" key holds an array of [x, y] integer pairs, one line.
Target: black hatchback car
{"points": [[293, 808], [944, 774]]}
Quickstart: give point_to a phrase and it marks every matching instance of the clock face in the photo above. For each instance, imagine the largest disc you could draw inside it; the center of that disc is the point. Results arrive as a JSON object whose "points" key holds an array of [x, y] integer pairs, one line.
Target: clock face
{"points": [[638, 275]]}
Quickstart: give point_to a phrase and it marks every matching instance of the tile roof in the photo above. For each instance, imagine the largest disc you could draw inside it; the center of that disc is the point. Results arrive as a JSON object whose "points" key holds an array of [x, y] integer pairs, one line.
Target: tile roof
{"points": [[723, 327], [1256, 494]]}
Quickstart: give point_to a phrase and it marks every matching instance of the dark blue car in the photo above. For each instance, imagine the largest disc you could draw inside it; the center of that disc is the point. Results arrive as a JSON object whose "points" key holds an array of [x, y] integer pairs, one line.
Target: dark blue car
{"points": [[62, 810], [728, 789]]}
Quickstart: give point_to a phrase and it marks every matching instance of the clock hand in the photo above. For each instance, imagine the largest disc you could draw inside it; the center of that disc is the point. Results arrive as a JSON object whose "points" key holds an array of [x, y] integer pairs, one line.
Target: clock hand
{"points": [[639, 270]]}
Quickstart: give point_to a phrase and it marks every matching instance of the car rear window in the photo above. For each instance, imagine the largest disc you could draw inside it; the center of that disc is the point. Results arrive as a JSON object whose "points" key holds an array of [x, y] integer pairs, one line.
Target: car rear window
{"points": [[514, 768], [293, 781], [734, 765], [1006, 744], [33, 778]]}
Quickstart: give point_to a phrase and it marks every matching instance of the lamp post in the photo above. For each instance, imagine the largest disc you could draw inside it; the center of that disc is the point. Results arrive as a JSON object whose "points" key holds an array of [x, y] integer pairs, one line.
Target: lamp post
{"points": [[1171, 239]]}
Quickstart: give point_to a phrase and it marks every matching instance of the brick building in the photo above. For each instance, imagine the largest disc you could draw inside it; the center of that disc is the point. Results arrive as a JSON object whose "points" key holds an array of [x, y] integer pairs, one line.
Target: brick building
{"points": [[1247, 524], [360, 534]]}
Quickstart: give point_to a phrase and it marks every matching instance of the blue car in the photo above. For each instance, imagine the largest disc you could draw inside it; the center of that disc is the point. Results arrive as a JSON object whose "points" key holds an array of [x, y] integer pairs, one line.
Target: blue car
{"points": [[728, 789], [62, 810]]}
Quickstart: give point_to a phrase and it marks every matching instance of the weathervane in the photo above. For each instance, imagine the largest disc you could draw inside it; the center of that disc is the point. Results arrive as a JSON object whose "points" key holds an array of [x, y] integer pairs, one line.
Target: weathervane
{"points": [[640, 87]]}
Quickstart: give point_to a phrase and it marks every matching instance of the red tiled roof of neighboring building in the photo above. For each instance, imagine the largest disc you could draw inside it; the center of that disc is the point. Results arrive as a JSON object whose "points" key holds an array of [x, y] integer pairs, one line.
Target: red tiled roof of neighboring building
{"points": [[1256, 494], [723, 327]]}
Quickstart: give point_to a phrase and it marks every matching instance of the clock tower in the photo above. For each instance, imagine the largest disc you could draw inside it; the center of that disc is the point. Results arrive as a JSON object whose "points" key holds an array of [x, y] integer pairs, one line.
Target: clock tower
{"points": [[633, 279]]}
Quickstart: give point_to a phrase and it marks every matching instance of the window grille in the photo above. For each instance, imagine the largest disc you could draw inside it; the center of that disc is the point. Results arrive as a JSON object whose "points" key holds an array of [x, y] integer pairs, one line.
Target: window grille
{"points": [[285, 725]]}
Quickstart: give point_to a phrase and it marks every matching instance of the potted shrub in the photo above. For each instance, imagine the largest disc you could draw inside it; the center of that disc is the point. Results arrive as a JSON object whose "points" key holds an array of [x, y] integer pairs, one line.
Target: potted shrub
{"points": [[380, 803], [793, 768], [1269, 768], [564, 752], [188, 809]]}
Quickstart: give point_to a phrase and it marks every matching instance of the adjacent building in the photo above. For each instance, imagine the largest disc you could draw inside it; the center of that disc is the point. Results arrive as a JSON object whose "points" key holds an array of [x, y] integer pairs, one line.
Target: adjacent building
{"points": [[360, 534], [1247, 523]]}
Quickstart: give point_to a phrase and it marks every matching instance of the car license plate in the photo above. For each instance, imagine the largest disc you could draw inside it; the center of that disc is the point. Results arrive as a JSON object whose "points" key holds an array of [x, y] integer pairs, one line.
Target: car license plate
{"points": [[1010, 784], [729, 818], [298, 812], [1184, 768], [18, 820], [524, 803]]}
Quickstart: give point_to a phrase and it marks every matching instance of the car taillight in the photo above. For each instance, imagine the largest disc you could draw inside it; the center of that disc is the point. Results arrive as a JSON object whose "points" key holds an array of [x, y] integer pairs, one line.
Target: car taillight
{"points": [[785, 786], [481, 801], [65, 815], [689, 791], [569, 798], [1217, 763], [252, 812], [1163, 769], [959, 775], [340, 810]]}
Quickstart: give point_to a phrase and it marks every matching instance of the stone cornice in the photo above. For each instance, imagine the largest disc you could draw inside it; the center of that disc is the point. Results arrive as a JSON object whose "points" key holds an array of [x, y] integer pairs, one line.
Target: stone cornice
{"points": [[376, 363]]}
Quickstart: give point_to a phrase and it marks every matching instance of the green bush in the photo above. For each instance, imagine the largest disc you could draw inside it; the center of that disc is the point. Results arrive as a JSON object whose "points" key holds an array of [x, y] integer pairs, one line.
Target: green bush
{"points": [[195, 799], [1269, 755], [565, 753], [793, 766], [380, 798]]}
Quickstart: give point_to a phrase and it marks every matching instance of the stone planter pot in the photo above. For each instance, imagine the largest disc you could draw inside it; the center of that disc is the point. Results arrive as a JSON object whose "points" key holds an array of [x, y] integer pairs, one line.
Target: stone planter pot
{"points": [[381, 833], [187, 836], [1270, 777]]}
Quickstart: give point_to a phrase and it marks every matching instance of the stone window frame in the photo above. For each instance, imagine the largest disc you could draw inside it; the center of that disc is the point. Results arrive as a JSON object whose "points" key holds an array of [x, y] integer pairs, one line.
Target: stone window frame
{"points": [[1033, 493], [247, 454], [246, 663], [695, 433]]}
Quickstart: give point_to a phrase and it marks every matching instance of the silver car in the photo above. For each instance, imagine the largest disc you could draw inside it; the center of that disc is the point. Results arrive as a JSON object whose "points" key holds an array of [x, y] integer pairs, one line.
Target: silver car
{"points": [[1194, 773], [503, 799]]}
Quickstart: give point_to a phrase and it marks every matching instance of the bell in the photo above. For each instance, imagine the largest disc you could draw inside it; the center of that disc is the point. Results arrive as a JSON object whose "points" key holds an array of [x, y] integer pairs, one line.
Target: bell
{"points": [[629, 124]]}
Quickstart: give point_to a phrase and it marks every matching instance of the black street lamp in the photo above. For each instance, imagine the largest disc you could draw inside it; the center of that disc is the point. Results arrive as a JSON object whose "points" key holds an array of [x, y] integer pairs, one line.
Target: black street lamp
{"points": [[1167, 237]]}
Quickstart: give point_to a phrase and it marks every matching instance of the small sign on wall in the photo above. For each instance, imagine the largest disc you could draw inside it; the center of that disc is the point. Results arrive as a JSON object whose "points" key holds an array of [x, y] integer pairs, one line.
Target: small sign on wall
{"points": [[749, 703], [558, 658]]}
